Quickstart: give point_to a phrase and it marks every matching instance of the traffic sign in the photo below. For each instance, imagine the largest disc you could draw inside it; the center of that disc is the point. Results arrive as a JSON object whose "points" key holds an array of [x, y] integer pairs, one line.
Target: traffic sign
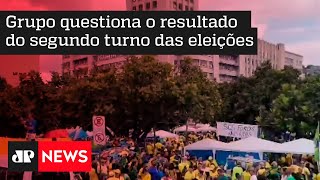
{"points": [[98, 121], [100, 138], [99, 130]]}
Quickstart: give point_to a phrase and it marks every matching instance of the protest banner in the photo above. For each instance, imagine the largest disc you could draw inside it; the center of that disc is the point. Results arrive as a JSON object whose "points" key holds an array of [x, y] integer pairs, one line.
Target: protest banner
{"points": [[237, 130]]}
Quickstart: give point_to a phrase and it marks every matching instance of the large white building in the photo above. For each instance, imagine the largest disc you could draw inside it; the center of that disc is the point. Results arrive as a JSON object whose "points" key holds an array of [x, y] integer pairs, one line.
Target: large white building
{"points": [[293, 60], [217, 67]]}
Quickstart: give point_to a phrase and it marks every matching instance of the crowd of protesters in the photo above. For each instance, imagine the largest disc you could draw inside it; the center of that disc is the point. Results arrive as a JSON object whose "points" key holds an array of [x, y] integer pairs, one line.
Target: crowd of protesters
{"points": [[163, 160]]}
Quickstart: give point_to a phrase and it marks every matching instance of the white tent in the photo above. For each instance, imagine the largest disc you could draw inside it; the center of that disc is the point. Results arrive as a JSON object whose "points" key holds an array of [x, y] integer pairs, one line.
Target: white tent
{"points": [[202, 125], [299, 146], [184, 129], [206, 129], [207, 144], [254, 144], [163, 134]]}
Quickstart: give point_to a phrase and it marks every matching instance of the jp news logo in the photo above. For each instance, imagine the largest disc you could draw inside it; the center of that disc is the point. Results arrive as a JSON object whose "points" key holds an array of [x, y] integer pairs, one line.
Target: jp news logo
{"points": [[23, 156], [49, 156]]}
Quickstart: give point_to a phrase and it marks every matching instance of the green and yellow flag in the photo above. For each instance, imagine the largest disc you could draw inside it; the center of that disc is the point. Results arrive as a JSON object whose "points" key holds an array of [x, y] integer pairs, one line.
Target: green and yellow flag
{"points": [[316, 143]]}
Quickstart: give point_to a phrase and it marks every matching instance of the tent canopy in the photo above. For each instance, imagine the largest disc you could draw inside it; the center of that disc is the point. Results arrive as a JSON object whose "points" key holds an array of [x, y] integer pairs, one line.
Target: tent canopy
{"points": [[207, 144], [202, 125], [254, 144], [163, 134], [184, 129], [206, 129], [299, 146]]}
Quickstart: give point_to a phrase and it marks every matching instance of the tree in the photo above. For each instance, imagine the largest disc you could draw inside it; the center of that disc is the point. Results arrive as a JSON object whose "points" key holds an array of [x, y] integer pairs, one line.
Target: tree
{"points": [[141, 95], [197, 97], [297, 108], [247, 98], [287, 110], [145, 87], [10, 113], [3, 84]]}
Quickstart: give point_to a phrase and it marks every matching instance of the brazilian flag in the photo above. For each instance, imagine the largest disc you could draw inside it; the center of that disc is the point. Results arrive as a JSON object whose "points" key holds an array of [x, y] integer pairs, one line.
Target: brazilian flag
{"points": [[316, 143]]}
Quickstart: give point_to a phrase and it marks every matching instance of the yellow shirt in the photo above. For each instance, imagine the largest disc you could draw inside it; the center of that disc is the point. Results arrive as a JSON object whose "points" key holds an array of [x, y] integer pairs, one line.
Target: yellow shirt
{"points": [[318, 177], [295, 168], [159, 145], [261, 171], [268, 166], [212, 162], [196, 173], [289, 159], [182, 165], [214, 174], [236, 170], [172, 159], [189, 175], [149, 149], [246, 175], [93, 175], [146, 176], [306, 172]]}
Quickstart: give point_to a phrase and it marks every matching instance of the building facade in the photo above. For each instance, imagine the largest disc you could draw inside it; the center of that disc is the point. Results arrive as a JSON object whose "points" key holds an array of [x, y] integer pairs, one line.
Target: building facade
{"points": [[217, 67], [275, 53], [311, 70], [12, 65], [294, 60]]}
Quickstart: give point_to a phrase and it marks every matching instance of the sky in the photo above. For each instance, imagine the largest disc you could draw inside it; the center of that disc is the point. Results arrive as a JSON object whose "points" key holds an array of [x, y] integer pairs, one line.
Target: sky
{"points": [[296, 23]]}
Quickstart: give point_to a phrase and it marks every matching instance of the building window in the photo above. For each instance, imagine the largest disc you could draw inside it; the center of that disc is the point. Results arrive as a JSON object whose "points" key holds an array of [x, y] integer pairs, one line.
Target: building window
{"points": [[174, 5], [187, 8], [66, 65], [80, 61], [203, 63], [140, 7], [155, 4], [211, 65], [180, 6], [134, 8], [191, 9], [191, 1], [148, 6]]}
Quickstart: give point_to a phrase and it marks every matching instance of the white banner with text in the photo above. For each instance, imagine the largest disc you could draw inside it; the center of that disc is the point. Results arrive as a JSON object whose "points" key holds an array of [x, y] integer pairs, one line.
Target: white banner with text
{"points": [[237, 130]]}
